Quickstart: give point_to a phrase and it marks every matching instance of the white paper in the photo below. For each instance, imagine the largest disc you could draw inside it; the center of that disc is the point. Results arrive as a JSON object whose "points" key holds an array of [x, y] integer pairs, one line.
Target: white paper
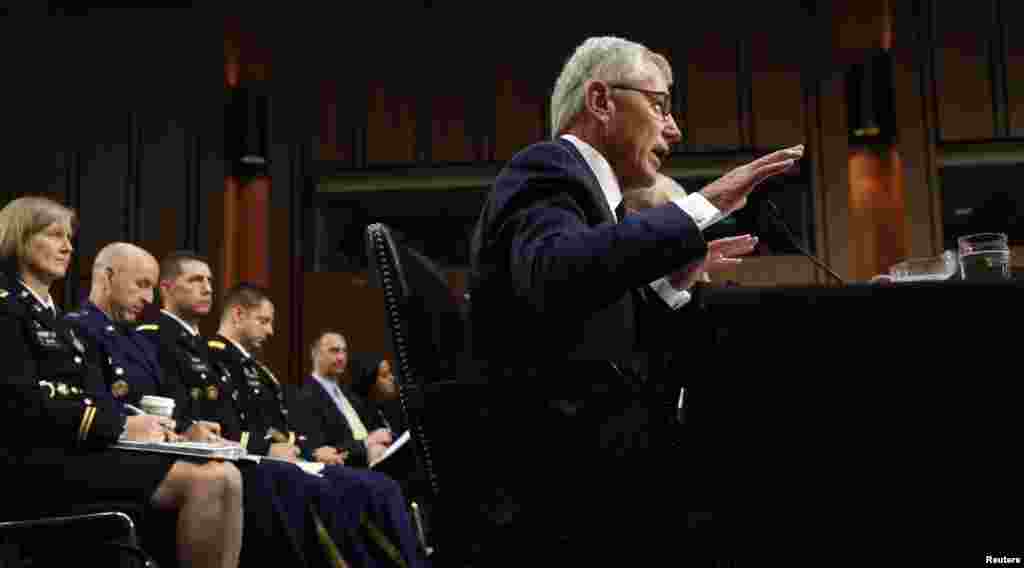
{"points": [[394, 447]]}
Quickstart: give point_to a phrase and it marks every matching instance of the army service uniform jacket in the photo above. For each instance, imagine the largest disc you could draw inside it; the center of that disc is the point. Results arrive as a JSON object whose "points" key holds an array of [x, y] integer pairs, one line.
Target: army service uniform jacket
{"points": [[59, 417]]}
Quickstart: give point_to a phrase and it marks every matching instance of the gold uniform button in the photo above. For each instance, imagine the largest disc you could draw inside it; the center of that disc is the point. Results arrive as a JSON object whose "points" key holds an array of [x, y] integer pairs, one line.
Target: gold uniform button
{"points": [[119, 389]]}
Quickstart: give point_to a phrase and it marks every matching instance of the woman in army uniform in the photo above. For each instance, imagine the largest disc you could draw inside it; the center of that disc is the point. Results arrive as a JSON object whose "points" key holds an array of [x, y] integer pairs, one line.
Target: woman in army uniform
{"points": [[53, 390]]}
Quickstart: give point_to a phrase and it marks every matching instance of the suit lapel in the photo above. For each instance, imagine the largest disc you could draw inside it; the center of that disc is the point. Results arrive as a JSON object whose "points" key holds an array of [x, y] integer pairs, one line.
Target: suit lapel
{"points": [[589, 180]]}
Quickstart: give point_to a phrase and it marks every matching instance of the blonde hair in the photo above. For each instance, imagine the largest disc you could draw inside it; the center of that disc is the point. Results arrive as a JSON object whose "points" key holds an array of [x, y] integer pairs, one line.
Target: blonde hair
{"points": [[610, 59], [664, 190], [24, 217]]}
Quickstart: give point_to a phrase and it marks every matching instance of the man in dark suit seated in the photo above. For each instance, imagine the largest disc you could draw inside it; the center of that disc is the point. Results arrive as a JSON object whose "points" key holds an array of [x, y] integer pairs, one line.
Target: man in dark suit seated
{"points": [[564, 286], [332, 413]]}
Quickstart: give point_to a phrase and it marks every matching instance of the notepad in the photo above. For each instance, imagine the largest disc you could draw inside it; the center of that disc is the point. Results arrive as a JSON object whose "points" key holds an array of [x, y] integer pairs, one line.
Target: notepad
{"points": [[194, 449], [394, 447]]}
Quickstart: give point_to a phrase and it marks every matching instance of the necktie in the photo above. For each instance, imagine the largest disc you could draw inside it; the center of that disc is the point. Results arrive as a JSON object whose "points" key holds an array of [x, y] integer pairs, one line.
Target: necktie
{"points": [[351, 416], [620, 212]]}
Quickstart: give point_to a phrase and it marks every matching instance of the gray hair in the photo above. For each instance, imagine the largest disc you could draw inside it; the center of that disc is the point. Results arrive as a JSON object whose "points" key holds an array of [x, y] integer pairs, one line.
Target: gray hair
{"points": [[610, 59]]}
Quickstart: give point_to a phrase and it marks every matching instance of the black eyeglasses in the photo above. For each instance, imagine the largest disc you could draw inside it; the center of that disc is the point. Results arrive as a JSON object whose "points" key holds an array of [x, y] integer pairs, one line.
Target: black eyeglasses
{"points": [[661, 101]]}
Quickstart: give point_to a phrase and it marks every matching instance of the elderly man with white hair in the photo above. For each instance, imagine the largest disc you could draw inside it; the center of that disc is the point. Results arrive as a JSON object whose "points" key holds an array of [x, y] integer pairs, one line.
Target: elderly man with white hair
{"points": [[555, 257]]}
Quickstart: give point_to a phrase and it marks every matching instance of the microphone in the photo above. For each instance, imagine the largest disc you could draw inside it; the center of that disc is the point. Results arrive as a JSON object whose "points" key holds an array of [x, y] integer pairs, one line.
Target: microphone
{"points": [[777, 218]]}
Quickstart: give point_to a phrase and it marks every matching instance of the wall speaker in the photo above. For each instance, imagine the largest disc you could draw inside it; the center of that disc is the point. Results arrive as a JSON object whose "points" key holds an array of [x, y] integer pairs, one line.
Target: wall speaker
{"points": [[869, 99], [245, 132]]}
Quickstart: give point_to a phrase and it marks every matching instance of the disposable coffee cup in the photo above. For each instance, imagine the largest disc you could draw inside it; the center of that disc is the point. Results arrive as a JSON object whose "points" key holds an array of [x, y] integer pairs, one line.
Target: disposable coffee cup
{"points": [[158, 406]]}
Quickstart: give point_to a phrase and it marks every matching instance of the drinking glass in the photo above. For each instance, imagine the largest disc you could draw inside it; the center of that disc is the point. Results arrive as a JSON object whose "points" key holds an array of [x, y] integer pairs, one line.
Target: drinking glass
{"points": [[984, 257]]}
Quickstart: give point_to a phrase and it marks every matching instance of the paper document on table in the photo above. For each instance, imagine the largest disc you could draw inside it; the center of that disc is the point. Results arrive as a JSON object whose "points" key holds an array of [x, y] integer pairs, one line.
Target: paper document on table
{"points": [[394, 447], [195, 449]]}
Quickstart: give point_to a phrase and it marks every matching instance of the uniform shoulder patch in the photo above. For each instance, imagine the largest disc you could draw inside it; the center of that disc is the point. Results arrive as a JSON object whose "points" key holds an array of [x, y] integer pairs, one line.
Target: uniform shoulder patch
{"points": [[217, 344], [148, 327]]}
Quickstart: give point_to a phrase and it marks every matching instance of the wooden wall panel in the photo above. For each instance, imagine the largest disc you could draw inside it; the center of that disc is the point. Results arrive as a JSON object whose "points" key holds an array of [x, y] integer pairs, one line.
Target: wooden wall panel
{"points": [[963, 85], [1013, 19], [776, 93], [519, 110], [768, 271], [449, 132], [712, 83], [914, 113], [858, 27], [347, 302], [334, 126], [105, 177], [162, 195], [391, 121], [830, 157], [776, 62]]}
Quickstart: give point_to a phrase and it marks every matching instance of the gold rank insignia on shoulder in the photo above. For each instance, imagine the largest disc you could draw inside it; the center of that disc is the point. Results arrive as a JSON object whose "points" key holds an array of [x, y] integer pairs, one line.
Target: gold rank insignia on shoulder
{"points": [[4, 293], [48, 385], [147, 327], [62, 389], [212, 393], [196, 393], [219, 345], [119, 389]]}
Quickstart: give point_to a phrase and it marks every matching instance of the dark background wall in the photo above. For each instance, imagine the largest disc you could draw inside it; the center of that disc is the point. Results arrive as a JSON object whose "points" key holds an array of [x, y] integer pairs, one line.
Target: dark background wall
{"points": [[121, 113]]}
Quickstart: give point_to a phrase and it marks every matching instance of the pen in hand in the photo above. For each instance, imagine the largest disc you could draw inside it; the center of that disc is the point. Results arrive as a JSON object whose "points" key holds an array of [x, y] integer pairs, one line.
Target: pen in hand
{"points": [[136, 411]]}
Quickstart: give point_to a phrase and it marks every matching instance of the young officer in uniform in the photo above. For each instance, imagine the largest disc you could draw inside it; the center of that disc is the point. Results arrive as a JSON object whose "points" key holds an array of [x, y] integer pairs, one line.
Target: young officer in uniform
{"points": [[246, 323], [363, 513]]}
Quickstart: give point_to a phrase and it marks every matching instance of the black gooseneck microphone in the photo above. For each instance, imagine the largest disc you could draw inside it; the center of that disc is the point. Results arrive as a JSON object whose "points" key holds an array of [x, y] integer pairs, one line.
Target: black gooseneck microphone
{"points": [[777, 218]]}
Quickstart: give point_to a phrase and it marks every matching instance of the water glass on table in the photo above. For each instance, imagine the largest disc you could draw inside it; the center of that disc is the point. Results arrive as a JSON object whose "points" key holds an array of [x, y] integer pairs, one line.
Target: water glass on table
{"points": [[984, 257]]}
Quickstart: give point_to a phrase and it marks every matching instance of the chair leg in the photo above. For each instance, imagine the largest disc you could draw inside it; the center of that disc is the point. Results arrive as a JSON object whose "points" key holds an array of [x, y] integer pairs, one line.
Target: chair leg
{"points": [[421, 530]]}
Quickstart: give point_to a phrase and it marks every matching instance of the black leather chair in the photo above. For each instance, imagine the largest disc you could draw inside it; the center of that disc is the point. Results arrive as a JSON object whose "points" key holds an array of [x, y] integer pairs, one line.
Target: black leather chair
{"points": [[100, 534], [428, 335]]}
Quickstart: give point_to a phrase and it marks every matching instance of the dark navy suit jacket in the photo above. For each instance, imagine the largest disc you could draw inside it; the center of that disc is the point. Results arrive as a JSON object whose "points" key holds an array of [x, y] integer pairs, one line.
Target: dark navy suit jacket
{"points": [[554, 276], [555, 304]]}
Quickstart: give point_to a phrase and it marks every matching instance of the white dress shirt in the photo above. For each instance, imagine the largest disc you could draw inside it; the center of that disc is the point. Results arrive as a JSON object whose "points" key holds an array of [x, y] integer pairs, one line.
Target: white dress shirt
{"points": [[359, 431], [703, 213], [46, 303]]}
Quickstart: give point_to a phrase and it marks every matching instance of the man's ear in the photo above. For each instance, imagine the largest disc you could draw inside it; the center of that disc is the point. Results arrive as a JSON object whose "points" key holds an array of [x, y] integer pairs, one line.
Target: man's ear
{"points": [[597, 99]]}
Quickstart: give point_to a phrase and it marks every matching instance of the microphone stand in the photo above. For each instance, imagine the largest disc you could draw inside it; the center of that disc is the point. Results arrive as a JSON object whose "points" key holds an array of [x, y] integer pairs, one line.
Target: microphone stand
{"points": [[777, 218]]}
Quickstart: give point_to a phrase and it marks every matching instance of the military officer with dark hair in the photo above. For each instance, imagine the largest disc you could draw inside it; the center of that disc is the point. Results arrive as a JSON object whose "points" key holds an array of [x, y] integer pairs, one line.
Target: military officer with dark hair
{"points": [[260, 414]]}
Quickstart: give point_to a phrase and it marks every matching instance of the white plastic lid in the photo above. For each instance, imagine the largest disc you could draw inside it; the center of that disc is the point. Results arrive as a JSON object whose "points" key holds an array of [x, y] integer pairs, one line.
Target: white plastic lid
{"points": [[157, 402]]}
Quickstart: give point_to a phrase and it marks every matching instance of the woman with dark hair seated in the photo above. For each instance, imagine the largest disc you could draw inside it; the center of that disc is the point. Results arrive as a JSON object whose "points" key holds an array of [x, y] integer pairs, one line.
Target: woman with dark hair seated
{"points": [[373, 379], [60, 421]]}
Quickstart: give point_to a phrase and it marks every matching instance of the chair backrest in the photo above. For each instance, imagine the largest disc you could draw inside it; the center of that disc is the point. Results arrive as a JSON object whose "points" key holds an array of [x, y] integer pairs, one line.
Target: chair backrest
{"points": [[427, 334], [421, 305]]}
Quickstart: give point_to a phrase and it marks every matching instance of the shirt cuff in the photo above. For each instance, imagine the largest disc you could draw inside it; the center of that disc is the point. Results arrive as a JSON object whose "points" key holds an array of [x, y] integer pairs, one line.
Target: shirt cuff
{"points": [[674, 298], [700, 209]]}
